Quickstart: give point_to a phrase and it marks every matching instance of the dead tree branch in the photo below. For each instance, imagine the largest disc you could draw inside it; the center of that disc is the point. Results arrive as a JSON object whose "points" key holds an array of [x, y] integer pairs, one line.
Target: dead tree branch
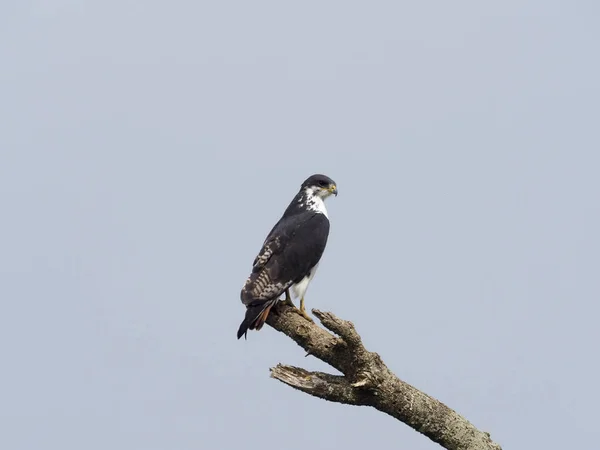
{"points": [[367, 381]]}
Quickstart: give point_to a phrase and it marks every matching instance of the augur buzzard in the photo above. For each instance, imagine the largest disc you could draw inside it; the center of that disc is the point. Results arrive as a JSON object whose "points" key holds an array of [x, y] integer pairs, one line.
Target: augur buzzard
{"points": [[290, 255]]}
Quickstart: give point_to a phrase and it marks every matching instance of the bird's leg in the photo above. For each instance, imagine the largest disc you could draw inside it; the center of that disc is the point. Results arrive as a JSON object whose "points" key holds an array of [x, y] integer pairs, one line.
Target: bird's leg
{"points": [[288, 299], [303, 311]]}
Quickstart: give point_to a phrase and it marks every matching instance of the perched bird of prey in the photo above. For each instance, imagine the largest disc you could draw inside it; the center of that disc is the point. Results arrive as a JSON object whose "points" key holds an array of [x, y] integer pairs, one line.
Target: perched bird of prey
{"points": [[290, 254]]}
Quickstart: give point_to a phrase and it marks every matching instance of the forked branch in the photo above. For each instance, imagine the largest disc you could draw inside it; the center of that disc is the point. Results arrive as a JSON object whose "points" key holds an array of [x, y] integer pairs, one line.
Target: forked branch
{"points": [[367, 381]]}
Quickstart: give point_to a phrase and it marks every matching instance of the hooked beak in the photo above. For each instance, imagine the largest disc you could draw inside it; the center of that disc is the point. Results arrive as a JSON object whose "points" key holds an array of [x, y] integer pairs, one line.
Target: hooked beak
{"points": [[333, 189]]}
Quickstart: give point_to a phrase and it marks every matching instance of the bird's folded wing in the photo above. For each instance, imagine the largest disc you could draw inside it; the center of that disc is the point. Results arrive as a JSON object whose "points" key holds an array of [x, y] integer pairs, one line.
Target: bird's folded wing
{"points": [[271, 246]]}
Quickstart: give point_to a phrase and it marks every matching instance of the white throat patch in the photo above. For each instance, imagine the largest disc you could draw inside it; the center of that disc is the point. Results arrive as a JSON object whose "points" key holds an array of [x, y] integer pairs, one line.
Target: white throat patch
{"points": [[315, 203]]}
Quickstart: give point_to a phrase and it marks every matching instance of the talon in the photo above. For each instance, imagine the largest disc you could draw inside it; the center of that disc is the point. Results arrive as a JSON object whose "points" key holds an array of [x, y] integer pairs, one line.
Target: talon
{"points": [[306, 316]]}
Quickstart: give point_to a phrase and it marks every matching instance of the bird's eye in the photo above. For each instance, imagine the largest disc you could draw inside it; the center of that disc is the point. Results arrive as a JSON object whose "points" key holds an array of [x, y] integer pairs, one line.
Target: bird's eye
{"points": [[322, 183]]}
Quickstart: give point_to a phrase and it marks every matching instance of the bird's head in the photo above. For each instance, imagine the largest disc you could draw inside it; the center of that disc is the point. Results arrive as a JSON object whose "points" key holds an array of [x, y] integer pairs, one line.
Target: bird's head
{"points": [[320, 185]]}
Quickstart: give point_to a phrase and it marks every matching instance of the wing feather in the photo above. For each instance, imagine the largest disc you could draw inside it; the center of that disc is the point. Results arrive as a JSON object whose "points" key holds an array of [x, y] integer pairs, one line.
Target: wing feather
{"points": [[294, 246]]}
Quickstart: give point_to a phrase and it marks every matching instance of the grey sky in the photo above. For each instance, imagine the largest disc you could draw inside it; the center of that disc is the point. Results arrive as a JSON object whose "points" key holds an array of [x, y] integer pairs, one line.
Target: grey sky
{"points": [[148, 147]]}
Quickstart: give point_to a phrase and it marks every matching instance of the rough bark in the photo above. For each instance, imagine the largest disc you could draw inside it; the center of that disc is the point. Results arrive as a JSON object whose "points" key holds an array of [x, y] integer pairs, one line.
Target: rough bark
{"points": [[367, 381]]}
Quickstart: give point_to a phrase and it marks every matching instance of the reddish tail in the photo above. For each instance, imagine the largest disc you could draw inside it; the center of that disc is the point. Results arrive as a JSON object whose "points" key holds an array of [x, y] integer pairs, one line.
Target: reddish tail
{"points": [[256, 315]]}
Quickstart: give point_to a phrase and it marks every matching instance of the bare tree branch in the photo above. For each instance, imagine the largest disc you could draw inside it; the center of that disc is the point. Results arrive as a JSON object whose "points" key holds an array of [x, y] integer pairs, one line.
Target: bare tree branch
{"points": [[367, 381]]}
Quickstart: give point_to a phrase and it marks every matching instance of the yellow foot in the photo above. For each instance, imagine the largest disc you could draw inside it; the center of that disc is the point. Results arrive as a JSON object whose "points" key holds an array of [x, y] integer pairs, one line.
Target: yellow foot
{"points": [[303, 312]]}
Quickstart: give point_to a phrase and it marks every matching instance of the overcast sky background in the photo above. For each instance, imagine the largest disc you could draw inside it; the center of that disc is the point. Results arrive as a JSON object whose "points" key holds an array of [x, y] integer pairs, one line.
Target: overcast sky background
{"points": [[148, 147]]}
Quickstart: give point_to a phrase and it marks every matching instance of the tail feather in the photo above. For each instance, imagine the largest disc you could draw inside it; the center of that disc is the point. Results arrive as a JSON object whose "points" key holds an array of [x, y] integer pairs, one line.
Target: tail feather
{"points": [[256, 315]]}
